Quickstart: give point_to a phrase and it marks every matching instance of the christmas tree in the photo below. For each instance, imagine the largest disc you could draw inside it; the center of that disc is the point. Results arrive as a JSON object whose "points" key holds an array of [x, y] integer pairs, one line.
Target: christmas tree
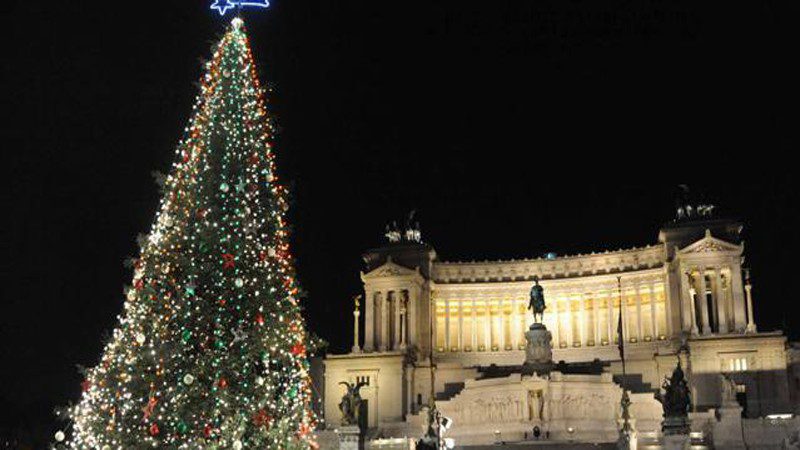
{"points": [[210, 350]]}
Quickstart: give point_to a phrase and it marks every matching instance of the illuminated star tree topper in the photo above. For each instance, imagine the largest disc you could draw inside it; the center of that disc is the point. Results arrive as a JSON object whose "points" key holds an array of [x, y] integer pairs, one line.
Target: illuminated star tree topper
{"points": [[223, 6]]}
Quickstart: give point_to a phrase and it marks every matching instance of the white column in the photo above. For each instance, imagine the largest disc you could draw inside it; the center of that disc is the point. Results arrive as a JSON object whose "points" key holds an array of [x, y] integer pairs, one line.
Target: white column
{"points": [[691, 307], [558, 330], [397, 319], [461, 325], [570, 324], [431, 315], [737, 291], [487, 326], [751, 322], [722, 308], [623, 309], [369, 325], [356, 314], [446, 324], [596, 311], [403, 320], [383, 300], [523, 321], [501, 326], [701, 296], [403, 327], [639, 329], [515, 332], [610, 324], [582, 317], [474, 340], [653, 312], [669, 297], [413, 298]]}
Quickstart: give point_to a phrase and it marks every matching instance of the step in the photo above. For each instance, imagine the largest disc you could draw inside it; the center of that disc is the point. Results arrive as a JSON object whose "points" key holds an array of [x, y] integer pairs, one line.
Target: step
{"points": [[450, 391]]}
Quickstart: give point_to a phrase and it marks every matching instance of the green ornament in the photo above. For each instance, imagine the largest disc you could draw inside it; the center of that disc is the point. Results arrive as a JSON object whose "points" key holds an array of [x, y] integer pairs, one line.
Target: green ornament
{"points": [[224, 187], [186, 335], [239, 282], [182, 427], [219, 344]]}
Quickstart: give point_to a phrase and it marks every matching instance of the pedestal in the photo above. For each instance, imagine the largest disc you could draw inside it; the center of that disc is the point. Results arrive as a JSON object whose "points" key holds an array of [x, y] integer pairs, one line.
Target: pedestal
{"points": [[349, 438], [539, 350], [728, 428], [675, 426], [676, 442]]}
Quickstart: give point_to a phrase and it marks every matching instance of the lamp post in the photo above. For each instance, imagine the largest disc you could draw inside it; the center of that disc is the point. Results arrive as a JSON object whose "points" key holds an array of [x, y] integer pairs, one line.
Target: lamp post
{"points": [[432, 440]]}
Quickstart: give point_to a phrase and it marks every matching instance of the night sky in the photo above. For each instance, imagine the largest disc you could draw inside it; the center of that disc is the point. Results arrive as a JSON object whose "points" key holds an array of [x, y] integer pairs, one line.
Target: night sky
{"points": [[513, 128]]}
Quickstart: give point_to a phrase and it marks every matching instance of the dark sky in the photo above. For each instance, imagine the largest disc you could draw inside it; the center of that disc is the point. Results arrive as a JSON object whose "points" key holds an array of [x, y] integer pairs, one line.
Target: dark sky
{"points": [[514, 127]]}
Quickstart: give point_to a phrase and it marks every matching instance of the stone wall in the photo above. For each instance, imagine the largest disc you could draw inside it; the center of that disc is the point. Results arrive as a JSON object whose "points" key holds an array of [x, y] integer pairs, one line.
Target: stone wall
{"points": [[769, 433]]}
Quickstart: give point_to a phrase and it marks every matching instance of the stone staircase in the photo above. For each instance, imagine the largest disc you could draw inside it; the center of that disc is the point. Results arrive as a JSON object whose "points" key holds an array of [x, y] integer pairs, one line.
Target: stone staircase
{"points": [[544, 445], [633, 382], [450, 391]]}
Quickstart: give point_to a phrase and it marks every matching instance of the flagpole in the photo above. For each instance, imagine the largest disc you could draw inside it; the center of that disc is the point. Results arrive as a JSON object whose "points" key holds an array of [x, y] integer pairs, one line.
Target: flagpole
{"points": [[620, 329], [625, 401]]}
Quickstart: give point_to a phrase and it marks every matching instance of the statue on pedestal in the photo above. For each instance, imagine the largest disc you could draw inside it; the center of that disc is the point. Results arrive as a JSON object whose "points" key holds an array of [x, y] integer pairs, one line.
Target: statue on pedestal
{"points": [[676, 401], [351, 403], [727, 391], [539, 351], [537, 301]]}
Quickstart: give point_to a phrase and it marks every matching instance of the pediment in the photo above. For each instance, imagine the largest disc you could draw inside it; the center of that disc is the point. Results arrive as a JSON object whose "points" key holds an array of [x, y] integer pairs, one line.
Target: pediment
{"points": [[710, 244], [389, 269]]}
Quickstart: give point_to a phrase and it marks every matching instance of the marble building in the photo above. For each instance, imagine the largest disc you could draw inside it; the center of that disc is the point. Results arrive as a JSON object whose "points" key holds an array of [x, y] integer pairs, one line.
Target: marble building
{"points": [[685, 297]]}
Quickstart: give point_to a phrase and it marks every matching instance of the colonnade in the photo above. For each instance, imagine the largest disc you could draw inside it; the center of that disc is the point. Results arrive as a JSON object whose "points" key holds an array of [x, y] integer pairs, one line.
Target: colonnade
{"points": [[714, 300], [495, 318], [577, 317], [389, 316]]}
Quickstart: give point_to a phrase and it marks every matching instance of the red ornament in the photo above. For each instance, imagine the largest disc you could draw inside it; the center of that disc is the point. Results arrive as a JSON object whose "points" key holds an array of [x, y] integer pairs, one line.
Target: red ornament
{"points": [[207, 430], [154, 429], [254, 159], [222, 302], [86, 385], [261, 418], [138, 284], [259, 319], [228, 261], [222, 383], [298, 349]]}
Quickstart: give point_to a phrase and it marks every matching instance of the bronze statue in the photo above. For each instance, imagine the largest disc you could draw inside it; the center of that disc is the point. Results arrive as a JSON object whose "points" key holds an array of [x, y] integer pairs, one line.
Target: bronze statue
{"points": [[537, 301], [351, 403], [676, 401]]}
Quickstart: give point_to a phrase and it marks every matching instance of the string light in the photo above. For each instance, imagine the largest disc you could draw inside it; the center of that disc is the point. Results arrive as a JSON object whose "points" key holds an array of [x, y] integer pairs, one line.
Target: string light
{"points": [[210, 351]]}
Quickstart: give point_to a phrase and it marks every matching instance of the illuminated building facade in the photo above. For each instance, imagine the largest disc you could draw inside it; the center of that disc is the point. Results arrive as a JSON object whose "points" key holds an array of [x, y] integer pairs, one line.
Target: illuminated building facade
{"points": [[685, 297]]}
